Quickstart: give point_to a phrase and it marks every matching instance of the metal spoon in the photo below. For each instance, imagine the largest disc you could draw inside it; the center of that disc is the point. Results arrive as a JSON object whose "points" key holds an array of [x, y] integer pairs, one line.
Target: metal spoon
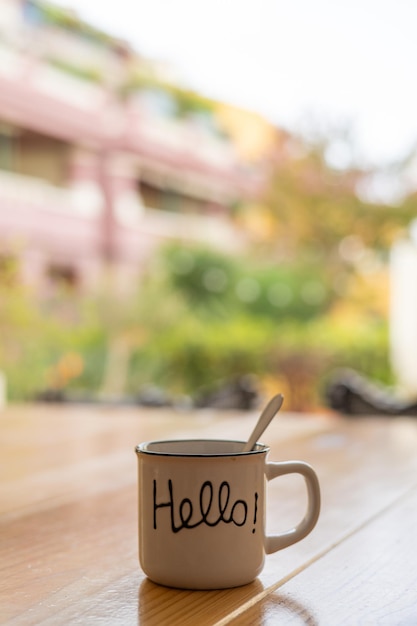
{"points": [[266, 416]]}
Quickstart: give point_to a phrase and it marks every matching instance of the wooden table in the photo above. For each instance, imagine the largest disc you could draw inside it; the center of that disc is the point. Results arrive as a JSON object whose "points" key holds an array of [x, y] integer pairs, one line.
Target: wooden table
{"points": [[68, 526]]}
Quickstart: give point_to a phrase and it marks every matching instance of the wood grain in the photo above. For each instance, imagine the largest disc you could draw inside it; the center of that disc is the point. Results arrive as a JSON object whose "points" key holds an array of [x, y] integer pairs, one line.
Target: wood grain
{"points": [[370, 578], [68, 525]]}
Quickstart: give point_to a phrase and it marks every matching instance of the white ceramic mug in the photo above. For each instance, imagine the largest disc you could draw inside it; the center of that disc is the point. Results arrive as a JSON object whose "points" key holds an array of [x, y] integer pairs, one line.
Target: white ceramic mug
{"points": [[202, 511]]}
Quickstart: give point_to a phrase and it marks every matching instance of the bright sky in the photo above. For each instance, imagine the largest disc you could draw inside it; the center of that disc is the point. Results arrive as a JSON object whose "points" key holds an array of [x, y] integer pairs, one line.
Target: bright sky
{"points": [[342, 62]]}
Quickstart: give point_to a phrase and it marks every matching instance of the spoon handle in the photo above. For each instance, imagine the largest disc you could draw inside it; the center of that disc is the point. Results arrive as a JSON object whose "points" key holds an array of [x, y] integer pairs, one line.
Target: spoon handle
{"points": [[266, 416]]}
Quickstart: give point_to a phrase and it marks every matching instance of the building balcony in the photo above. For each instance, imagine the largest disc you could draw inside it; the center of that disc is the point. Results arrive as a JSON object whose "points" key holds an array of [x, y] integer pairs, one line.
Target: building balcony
{"points": [[65, 227]]}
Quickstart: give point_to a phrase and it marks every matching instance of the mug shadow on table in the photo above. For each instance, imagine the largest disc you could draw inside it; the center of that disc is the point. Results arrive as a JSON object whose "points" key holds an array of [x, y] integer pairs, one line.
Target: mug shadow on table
{"points": [[278, 608], [156, 603]]}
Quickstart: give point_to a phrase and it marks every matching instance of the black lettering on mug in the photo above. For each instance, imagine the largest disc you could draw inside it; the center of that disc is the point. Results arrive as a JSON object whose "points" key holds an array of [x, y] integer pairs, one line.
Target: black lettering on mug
{"points": [[256, 511], [185, 514]]}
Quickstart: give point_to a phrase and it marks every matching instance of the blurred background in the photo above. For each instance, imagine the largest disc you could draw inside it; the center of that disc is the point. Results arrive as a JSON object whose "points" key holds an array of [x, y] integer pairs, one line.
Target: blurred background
{"points": [[204, 203]]}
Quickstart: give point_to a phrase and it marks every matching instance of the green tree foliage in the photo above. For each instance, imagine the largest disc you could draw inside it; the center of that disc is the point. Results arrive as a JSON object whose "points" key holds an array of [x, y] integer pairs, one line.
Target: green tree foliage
{"points": [[314, 206], [220, 286]]}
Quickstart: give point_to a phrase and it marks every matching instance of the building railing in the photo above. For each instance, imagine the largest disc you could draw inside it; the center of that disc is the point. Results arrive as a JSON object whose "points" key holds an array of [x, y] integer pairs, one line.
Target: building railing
{"points": [[18, 190]]}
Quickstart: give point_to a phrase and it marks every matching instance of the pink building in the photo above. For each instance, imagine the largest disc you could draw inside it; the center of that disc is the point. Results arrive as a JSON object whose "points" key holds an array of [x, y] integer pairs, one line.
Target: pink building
{"points": [[101, 159]]}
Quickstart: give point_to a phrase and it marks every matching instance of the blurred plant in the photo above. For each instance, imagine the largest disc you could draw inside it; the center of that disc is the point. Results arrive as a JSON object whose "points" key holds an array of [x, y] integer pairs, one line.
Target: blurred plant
{"points": [[220, 336], [48, 13], [195, 355], [91, 74], [311, 206], [215, 284], [130, 324], [69, 367], [43, 342], [166, 336], [185, 102], [18, 324]]}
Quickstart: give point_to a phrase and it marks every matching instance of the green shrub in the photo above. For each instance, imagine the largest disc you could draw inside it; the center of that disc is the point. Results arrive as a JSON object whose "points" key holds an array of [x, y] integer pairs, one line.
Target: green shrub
{"points": [[216, 285], [196, 354], [180, 334]]}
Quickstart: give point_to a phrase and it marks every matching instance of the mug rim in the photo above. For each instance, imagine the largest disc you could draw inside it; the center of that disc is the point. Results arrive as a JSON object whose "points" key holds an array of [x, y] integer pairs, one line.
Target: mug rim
{"points": [[143, 448]]}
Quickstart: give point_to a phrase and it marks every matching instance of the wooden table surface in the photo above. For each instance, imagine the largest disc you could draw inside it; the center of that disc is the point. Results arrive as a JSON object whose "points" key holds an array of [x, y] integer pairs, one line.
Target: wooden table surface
{"points": [[68, 521]]}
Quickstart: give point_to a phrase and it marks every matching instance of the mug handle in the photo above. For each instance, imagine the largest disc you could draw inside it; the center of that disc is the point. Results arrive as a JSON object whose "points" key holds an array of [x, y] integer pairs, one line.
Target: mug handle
{"points": [[273, 470]]}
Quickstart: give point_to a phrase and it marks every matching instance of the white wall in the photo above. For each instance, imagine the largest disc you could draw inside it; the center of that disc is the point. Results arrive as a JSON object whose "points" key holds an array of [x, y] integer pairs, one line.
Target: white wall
{"points": [[403, 313]]}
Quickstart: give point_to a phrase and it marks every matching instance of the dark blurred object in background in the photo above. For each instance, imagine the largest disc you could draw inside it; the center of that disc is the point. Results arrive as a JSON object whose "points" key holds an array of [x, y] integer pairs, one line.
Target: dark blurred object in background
{"points": [[350, 393], [242, 394]]}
